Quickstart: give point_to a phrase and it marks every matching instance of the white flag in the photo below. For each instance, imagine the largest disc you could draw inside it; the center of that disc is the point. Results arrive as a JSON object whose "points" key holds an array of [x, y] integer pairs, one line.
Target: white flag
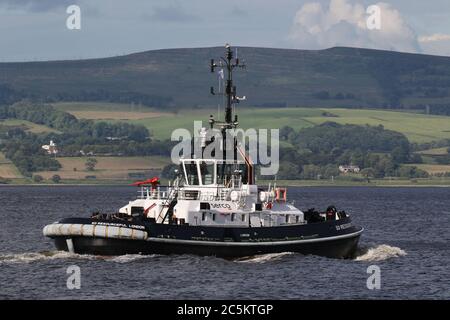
{"points": [[221, 75]]}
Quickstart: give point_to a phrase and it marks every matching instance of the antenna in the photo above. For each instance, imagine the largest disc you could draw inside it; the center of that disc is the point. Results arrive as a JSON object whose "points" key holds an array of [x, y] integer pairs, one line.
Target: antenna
{"points": [[228, 64]]}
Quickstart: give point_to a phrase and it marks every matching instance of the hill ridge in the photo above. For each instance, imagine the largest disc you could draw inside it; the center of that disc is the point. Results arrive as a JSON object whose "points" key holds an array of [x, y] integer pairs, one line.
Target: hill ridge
{"points": [[275, 77]]}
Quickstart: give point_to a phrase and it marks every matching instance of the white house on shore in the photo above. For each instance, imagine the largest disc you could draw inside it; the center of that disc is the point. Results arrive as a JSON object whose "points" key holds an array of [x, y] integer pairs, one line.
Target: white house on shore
{"points": [[349, 169], [50, 148]]}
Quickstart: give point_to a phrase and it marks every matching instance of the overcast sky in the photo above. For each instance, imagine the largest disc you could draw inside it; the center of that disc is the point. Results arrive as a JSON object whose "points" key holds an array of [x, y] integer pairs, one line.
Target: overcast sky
{"points": [[36, 29]]}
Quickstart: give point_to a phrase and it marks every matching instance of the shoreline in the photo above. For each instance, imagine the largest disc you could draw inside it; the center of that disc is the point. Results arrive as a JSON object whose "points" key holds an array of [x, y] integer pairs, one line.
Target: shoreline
{"points": [[421, 183]]}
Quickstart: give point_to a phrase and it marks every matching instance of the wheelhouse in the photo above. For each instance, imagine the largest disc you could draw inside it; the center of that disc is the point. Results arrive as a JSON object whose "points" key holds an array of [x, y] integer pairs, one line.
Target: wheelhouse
{"points": [[212, 172]]}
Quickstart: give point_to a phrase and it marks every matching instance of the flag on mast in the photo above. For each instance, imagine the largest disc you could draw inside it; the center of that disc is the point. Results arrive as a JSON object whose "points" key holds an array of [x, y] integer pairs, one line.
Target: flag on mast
{"points": [[221, 75]]}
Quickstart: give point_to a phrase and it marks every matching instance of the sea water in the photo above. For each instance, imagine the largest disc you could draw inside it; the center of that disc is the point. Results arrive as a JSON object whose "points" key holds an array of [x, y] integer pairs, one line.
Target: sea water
{"points": [[406, 235]]}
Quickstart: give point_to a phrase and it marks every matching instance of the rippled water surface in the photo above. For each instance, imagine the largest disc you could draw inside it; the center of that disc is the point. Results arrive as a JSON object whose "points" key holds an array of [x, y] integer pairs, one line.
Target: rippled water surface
{"points": [[407, 235]]}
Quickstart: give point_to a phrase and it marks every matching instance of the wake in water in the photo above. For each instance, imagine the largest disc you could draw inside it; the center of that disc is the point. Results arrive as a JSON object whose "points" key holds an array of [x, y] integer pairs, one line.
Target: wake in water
{"points": [[379, 253], [263, 258], [129, 258], [29, 257], [365, 253]]}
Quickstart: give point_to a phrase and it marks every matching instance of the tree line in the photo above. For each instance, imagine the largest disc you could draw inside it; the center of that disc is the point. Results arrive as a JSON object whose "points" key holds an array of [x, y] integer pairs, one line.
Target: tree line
{"points": [[317, 152], [77, 137], [8, 96]]}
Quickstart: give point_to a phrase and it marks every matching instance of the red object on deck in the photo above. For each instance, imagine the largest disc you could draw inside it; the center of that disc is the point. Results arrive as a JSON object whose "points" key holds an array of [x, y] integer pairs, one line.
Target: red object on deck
{"points": [[153, 182]]}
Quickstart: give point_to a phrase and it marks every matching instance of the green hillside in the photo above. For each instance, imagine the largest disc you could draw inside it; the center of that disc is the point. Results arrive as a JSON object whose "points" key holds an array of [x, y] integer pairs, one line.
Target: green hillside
{"points": [[318, 140], [416, 127], [180, 78]]}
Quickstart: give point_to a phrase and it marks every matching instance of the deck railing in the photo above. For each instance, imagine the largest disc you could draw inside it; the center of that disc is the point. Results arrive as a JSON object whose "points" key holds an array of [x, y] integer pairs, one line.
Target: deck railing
{"points": [[220, 193]]}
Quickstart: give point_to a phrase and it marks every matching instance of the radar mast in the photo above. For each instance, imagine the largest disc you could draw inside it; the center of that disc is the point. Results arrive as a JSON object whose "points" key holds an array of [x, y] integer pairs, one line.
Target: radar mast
{"points": [[227, 63]]}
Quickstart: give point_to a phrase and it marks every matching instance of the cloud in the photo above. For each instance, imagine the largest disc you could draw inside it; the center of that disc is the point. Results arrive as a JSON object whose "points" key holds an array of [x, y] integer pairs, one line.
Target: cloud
{"points": [[36, 5], [172, 14], [438, 44], [343, 23], [435, 37]]}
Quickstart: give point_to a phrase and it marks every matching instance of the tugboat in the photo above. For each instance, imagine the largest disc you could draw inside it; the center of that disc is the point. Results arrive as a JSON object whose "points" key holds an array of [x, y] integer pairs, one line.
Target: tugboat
{"points": [[213, 207]]}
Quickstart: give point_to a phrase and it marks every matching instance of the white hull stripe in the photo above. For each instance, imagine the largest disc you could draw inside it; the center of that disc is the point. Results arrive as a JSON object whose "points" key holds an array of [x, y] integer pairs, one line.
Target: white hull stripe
{"points": [[250, 244], [88, 230]]}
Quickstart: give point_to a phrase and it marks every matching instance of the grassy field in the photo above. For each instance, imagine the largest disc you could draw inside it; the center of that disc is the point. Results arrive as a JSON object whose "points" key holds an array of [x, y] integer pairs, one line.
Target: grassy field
{"points": [[100, 106], [432, 168], [7, 169], [27, 126], [417, 127], [114, 115], [108, 111], [248, 118], [107, 168], [434, 152]]}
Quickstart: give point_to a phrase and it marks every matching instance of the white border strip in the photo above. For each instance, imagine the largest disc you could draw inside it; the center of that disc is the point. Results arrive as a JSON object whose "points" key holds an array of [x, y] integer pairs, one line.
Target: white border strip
{"points": [[249, 244]]}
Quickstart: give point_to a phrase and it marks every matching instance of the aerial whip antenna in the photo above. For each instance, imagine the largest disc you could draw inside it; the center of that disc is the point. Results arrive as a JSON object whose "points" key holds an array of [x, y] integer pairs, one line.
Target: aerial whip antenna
{"points": [[228, 64]]}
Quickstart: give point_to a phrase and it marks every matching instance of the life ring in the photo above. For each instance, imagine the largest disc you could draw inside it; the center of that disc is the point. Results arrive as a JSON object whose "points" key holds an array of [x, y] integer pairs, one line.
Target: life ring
{"points": [[269, 205]]}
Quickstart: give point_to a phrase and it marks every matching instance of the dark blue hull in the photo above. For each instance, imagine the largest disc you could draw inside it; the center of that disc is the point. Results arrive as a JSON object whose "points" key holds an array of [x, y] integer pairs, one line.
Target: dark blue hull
{"points": [[335, 239]]}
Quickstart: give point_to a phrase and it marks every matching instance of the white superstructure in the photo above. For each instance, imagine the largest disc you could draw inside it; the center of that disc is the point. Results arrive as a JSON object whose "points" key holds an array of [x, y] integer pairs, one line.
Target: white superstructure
{"points": [[215, 192]]}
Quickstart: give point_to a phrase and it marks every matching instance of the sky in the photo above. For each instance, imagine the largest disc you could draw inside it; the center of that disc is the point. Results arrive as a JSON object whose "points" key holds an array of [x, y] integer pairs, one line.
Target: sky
{"points": [[32, 30]]}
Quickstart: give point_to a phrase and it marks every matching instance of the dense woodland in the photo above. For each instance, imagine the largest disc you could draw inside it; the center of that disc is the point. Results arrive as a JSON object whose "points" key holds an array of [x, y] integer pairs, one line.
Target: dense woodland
{"points": [[317, 152]]}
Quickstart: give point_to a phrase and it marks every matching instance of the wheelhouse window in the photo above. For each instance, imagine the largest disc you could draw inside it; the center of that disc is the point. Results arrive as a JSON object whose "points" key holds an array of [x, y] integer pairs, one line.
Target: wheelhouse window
{"points": [[191, 173], [243, 217], [207, 172], [233, 216], [244, 172], [224, 173]]}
